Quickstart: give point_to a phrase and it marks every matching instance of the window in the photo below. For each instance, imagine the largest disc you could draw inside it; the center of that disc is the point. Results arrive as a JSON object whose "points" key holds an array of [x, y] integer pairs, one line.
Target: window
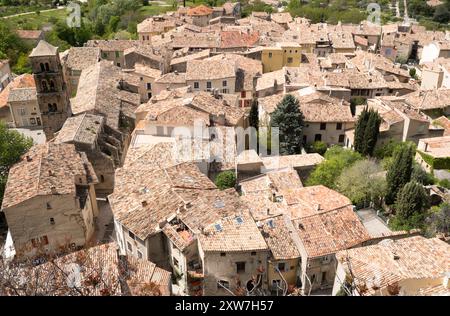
{"points": [[253, 253], [223, 254], [39, 241], [341, 138], [118, 64], [240, 267], [102, 178], [149, 86], [208, 85], [117, 54], [52, 85], [276, 284], [149, 95], [105, 55], [49, 207], [47, 67], [313, 278], [42, 67], [324, 277], [223, 284], [22, 112], [44, 86], [52, 221], [338, 125], [139, 254], [130, 247], [317, 137], [290, 60], [52, 107], [282, 266], [131, 235], [224, 83], [242, 94], [176, 263], [33, 121], [270, 55], [196, 85], [323, 126], [305, 138]]}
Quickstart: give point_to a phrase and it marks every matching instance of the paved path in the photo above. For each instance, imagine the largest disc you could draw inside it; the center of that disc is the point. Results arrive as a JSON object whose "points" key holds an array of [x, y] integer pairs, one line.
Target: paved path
{"points": [[374, 225], [33, 12]]}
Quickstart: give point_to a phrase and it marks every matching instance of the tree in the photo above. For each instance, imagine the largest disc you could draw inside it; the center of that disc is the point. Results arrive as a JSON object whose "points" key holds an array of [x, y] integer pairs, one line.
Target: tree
{"points": [[439, 220], [336, 160], [12, 146], [362, 182], [225, 180], [366, 131], [253, 116], [441, 14], [290, 121], [410, 207], [421, 176], [399, 172], [318, 147]]}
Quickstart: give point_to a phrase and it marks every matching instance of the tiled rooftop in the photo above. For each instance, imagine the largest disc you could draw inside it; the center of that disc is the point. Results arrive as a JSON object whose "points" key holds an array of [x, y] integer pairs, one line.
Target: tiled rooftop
{"points": [[83, 128], [46, 169]]}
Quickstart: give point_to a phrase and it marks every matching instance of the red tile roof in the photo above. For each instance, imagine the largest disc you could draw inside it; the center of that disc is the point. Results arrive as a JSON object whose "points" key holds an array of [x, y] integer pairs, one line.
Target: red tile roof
{"points": [[199, 11]]}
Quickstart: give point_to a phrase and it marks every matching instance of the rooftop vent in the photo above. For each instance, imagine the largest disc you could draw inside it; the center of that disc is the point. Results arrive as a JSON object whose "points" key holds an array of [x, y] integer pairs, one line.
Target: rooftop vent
{"points": [[218, 227], [239, 220], [28, 158], [219, 204], [144, 203], [271, 223]]}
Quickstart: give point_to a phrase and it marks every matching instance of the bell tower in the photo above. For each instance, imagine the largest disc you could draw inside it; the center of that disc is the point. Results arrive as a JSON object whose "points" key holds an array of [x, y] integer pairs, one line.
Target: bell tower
{"points": [[51, 89]]}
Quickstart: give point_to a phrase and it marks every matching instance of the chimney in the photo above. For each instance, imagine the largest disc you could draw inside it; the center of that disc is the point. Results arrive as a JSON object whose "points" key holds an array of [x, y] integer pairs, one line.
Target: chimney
{"points": [[268, 211], [28, 158], [318, 207], [53, 189], [144, 203]]}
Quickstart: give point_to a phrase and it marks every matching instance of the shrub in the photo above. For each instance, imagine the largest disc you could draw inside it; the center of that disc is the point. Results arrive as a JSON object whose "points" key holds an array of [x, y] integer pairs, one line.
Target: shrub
{"points": [[225, 180]]}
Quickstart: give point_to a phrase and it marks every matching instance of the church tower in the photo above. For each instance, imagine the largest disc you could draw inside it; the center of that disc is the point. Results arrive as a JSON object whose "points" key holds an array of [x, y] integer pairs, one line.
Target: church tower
{"points": [[51, 89]]}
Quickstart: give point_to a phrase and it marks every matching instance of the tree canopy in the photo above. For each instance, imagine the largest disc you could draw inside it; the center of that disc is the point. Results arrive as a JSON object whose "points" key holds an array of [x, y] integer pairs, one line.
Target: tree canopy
{"points": [[290, 121], [225, 180], [366, 132], [399, 171], [410, 207], [362, 182], [328, 171]]}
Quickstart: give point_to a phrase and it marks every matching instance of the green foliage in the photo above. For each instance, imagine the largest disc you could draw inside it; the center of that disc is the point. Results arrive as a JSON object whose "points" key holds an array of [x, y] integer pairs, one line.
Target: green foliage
{"points": [[445, 183], [225, 180], [399, 172], [12, 146], [22, 65], [362, 182], [387, 150], [441, 14], [336, 160], [435, 163], [253, 115], [439, 220], [255, 6], [410, 207], [290, 121], [366, 131], [412, 72], [421, 176], [318, 147], [11, 46], [346, 11]]}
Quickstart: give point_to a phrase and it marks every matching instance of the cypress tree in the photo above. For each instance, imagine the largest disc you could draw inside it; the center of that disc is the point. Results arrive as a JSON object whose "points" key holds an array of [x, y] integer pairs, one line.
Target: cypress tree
{"points": [[253, 115], [290, 121], [410, 207], [360, 130], [371, 133], [399, 172]]}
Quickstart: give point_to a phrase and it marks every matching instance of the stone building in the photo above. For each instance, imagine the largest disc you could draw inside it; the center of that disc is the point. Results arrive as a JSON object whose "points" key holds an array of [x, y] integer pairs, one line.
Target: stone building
{"points": [[88, 133], [51, 89], [24, 108], [50, 200]]}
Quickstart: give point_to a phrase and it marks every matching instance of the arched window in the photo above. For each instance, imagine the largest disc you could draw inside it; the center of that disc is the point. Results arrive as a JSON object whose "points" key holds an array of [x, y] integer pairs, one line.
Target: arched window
{"points": [[52, 108], [52, 85], [47, 67], [44, 85], [42, 67]]}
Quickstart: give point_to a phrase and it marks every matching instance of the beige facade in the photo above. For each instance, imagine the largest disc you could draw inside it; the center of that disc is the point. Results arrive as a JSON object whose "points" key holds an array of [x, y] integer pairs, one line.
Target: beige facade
{"points": [[25, 113], [224, 85], [282, 270], [5, 74], [331, 133]]}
